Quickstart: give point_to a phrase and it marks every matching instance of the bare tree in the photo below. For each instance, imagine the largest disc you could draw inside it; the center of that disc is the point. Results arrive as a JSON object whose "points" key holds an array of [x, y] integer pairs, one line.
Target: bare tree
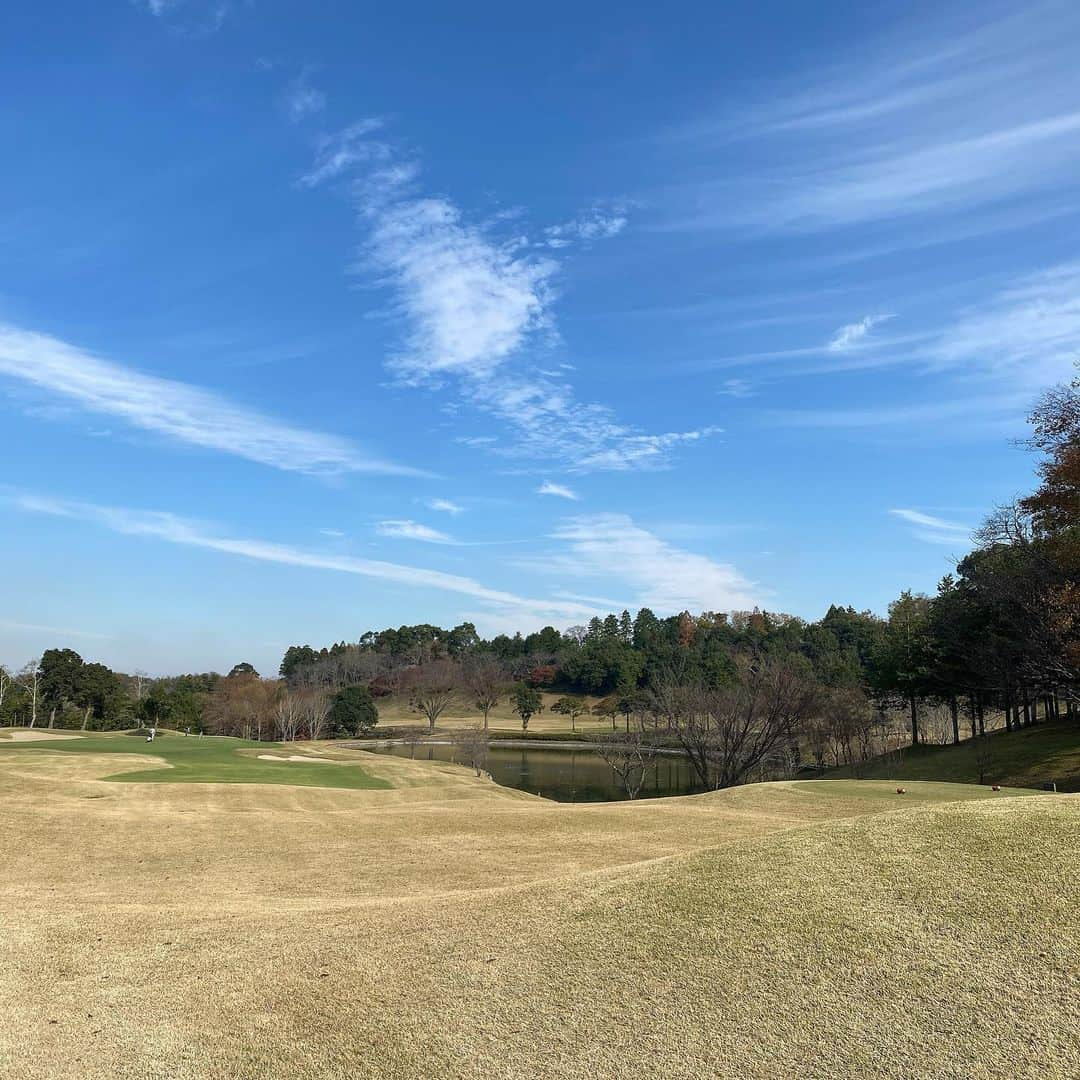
{"points": [[471, 747], [629, 757], [486, 682], [5, 682], [30, 679], [432, 686], [315, 708], [727, 732], [289, 715]]}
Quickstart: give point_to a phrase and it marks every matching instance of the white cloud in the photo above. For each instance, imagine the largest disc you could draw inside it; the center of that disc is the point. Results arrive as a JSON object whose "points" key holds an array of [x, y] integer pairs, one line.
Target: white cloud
{"points": [[737, 388], [848, 337], [971, 106], [334, 534], [597, 224], [181, 412], [183, 531], [301, 99], [192, 18], [471, 302], [934, 530], [661, 575], [1029, 333], [336, 154], [560, 491], [998, 407], [412, 530], [445, 506], [473, 306]]}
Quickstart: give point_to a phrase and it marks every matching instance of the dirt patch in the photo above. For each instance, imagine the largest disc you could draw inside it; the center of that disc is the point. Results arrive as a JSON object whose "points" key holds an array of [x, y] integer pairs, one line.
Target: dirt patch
{"points": [[295, 757]]}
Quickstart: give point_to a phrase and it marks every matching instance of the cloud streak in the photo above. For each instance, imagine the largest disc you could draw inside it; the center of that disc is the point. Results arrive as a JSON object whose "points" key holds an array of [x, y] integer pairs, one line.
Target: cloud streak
{"points": [[934, 530], [176, 410], [847, 337], [404, 529], [560, 491], [961, 110], [185, 532]]}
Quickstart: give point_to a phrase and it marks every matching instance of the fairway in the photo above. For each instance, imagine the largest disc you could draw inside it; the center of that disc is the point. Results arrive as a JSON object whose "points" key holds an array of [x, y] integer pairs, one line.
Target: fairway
{"points": [[180, 759], [440, 926]]}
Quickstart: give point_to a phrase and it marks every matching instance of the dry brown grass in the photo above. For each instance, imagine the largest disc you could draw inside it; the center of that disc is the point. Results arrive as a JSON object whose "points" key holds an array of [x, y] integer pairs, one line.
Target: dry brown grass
{"points": [[452, 928]]}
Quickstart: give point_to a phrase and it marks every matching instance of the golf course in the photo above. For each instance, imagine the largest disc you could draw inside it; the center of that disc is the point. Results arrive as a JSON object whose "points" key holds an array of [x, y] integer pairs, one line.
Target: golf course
{"points": [[211, 908]]}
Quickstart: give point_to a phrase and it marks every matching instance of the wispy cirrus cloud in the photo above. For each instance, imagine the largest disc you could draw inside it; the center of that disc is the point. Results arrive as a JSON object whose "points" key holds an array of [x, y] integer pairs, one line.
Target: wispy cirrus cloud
{"points": [[176, 410], [659, 574], [173, 529], [476, 307], [339, 152], [847, 337], [403, 529], [445, 506], [560, 491], [597, 224], [193, 18], [974, 107], [994, 357], [1027, 334], [933, 529], [56, 631], [301, 100]]}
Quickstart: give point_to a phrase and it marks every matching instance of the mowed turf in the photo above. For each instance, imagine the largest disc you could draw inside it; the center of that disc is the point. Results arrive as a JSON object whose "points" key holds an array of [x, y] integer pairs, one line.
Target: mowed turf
{"points": [[181, 759], [450, 928], [1026, 758]]}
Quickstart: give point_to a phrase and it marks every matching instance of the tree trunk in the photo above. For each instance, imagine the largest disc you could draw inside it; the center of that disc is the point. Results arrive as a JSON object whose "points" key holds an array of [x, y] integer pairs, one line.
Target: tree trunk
{"points": [[914, 721], [86, 717], [981, 714], [954, 709], [52, 716], [974, 720]]}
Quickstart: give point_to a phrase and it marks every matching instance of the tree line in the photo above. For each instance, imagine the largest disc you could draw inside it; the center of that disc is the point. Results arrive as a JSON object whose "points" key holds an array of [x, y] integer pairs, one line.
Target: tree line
{"points": [[997, 644]]}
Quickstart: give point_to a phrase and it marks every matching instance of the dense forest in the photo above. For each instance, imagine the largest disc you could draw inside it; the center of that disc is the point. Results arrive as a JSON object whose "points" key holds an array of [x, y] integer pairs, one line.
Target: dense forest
{"points": [[1000, 637]]}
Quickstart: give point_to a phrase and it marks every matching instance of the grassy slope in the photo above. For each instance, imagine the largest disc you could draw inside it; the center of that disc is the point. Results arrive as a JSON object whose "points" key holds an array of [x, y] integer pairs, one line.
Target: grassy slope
{"points": [[449, 928], [1024, 758], [394, 712], [206, 761]]}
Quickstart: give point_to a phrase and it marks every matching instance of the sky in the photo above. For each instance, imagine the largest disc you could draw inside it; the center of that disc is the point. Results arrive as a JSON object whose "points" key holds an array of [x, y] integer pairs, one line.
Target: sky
{"points": [[323, 318]]}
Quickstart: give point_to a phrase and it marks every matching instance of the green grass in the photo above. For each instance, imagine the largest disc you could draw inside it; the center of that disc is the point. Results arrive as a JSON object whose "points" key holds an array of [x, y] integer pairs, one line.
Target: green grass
{"points": [[208, 761], [1023, 759]]}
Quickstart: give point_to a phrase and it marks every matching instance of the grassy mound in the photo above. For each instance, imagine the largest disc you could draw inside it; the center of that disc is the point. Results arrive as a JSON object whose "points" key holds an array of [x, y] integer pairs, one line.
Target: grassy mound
{"points": [[450, 928], [1025, 758]]}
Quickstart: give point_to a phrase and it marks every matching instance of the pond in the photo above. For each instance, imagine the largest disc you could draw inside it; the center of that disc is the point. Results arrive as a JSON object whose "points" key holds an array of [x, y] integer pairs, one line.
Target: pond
{"points": [[565, 775]]}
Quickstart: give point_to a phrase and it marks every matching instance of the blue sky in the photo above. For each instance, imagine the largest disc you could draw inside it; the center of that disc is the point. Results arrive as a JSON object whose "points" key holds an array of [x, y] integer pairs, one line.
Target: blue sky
{"points": [[316, 319]]}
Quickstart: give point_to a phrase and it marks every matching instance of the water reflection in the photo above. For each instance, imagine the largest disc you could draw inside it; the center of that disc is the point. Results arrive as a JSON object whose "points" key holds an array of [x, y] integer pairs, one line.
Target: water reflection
{"points": [[565, 775]]}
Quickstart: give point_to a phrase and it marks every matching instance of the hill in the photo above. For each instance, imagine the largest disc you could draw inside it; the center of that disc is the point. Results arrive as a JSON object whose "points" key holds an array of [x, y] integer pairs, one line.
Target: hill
{"points": [[445, 927], [1026, 758]]}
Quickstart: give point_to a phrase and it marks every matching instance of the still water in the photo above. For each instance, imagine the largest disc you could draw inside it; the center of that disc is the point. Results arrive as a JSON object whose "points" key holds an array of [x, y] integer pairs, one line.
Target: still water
{"points": [[565, 775]]}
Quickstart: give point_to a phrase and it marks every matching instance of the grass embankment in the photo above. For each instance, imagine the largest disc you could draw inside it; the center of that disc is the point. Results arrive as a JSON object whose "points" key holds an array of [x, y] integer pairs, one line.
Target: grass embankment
{"points": [[1025, 758], [180, 759], [394, 711], [452, 928]]}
